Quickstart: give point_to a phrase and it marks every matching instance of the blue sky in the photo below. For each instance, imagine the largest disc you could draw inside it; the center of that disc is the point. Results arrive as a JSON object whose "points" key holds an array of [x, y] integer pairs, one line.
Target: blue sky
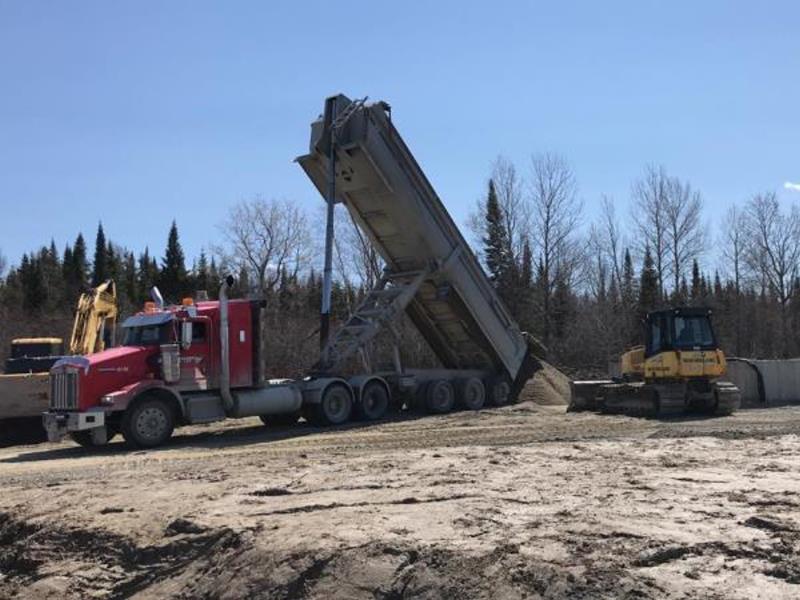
{"points": [[140, 112]]}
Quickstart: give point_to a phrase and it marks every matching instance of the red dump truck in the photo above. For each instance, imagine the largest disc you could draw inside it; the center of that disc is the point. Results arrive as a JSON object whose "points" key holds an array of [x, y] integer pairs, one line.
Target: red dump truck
{"points": [[202, 362]]}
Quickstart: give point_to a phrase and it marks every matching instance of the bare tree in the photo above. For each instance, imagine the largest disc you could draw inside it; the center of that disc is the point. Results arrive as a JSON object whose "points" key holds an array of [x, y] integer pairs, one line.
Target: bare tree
{"points": [[732, 243], [649, 202], [684, 227], [772, 250], [555, 215], [3, 265], [266, 237], [356, 261], [611, 238], [596, 265], [516, 211]]}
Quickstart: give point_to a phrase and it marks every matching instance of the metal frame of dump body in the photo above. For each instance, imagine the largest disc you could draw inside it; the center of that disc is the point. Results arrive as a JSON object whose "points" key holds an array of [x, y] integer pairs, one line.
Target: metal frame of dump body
{"points": [[455, 307]]}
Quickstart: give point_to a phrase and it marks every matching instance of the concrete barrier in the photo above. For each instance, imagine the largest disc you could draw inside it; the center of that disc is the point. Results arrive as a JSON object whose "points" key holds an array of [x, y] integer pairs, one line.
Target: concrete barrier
{"points": [[766, 382]]}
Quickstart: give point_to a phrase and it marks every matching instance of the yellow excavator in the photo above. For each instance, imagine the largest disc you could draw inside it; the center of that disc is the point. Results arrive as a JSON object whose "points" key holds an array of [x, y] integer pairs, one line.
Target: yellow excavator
{"points": [[25, 385], [95, 319], [678, 370]]}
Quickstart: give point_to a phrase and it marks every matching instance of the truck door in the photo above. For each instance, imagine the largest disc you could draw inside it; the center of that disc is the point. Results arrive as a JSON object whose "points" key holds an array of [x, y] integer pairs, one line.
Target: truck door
{"points": [[196, 360]]}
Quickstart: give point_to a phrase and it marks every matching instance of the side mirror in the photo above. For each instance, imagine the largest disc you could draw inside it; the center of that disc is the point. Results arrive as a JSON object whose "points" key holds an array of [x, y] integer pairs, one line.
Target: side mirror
{"points": [[186, 334]]}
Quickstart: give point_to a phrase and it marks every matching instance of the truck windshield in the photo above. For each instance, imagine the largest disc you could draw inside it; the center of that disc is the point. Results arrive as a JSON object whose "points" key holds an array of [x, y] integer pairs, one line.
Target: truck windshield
{"points": [[147, 335], [693, 331]]}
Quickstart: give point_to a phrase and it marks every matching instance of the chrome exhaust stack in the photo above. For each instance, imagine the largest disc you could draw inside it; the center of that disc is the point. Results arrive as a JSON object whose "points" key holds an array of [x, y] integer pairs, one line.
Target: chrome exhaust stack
{"points": [[224, 336]]}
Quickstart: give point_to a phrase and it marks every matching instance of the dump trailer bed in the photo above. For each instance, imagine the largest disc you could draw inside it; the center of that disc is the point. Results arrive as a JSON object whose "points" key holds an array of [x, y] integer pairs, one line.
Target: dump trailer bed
{"points": [[23, 399], [455, 308]]}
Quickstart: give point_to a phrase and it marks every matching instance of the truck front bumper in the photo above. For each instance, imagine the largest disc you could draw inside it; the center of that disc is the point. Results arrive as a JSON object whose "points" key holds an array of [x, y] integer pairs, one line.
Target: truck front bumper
{"points": [[58, 424]]}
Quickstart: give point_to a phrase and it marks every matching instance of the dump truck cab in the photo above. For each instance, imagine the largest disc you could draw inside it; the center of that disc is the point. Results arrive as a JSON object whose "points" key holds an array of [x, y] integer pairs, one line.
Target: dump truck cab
{"points": [[166, 354]]}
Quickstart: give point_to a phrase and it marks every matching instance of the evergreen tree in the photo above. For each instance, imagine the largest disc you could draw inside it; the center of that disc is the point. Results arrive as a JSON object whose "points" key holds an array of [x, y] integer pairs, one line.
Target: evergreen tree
{"points": [[496, 243], [526, 268], [66, 273], [628, 290], [562, 308], [147, 275], [201, 275], [100, 266], [173, 280], [214, 279], [80, 263], [34, 292], [52, 276], [75, 269], [697, 283], [114, 267], [649, 295], [129, 280]]}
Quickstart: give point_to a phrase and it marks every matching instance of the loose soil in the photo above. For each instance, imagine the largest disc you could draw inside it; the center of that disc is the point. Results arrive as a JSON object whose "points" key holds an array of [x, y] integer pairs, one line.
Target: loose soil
{"points": [[524, 501]]}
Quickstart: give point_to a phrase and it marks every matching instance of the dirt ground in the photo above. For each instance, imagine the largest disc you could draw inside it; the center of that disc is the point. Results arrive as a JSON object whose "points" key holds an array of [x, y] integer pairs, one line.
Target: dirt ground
{"points": [[520, 502]]}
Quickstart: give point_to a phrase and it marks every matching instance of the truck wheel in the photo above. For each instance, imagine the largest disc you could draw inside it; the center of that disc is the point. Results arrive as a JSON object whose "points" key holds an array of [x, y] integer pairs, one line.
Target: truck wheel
{"points": [[148, 423], [374, 402], [500, 392], [439, 396], [335, 406], [473, 394], [283, 420]]}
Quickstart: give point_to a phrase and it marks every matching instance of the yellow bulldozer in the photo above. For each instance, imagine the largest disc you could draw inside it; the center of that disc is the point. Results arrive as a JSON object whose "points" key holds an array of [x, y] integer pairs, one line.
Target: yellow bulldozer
{"points": [[25, 385], [678, 370]]}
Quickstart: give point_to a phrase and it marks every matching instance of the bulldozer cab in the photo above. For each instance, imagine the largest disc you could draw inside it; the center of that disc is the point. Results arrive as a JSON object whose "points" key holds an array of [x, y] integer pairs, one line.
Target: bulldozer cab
{"points": [[679, 329]]}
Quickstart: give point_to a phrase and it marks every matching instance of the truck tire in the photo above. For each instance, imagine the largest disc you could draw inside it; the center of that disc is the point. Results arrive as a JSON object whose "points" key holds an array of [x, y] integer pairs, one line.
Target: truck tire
{"points": [[439, 397], [148, 423], [335, 406], [374, 402], [473, 394], [283, 420], [500, 391]]}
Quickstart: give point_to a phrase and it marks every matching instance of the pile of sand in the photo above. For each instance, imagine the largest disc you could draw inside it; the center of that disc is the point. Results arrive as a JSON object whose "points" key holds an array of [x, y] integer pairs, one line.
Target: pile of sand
{"points": [[548, 387]]}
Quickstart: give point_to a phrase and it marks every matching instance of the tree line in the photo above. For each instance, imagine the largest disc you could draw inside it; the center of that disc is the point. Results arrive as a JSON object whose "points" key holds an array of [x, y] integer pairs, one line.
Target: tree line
{"points": [[47, 280], [585, 290], [581, 285]]}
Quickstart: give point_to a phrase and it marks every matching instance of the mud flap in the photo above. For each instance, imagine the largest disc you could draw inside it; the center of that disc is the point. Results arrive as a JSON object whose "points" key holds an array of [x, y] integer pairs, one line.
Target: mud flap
{"points": [[530, 364]]}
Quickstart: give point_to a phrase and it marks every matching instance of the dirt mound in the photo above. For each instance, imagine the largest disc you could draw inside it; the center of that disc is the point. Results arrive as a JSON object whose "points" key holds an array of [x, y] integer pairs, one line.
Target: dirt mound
{"points": [[37, 561], [548, 387]]}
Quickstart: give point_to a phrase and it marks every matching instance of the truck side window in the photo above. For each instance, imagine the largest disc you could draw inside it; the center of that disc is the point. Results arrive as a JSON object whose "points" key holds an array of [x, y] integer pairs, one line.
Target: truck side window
{"points": [[655, 336], [198, 331]]}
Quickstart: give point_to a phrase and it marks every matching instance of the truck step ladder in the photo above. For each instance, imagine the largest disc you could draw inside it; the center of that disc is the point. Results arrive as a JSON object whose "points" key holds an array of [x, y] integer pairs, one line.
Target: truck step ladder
{"points": [[382, 305]]}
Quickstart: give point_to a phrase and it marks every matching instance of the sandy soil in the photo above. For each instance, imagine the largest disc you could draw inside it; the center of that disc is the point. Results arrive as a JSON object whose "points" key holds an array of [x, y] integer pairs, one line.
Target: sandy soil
{"points": [[520, 502]]}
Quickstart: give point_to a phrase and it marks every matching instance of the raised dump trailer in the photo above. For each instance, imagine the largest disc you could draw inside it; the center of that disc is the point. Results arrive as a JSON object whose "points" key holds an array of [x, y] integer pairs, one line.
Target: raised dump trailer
{"points": [[430, 267], [203, 362]]}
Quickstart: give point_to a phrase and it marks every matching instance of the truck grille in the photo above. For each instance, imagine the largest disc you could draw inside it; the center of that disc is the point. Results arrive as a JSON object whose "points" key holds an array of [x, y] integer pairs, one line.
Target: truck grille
{"points": [[64, 390]]}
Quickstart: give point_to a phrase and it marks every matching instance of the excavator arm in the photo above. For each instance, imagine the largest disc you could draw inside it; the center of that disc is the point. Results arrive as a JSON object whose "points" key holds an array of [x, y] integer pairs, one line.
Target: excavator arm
{"points": [[96, 312]]}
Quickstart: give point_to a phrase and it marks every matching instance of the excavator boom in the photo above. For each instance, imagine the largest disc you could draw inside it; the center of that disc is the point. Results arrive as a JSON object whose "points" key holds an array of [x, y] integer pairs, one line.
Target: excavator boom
{"points": [[96, 313]]}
